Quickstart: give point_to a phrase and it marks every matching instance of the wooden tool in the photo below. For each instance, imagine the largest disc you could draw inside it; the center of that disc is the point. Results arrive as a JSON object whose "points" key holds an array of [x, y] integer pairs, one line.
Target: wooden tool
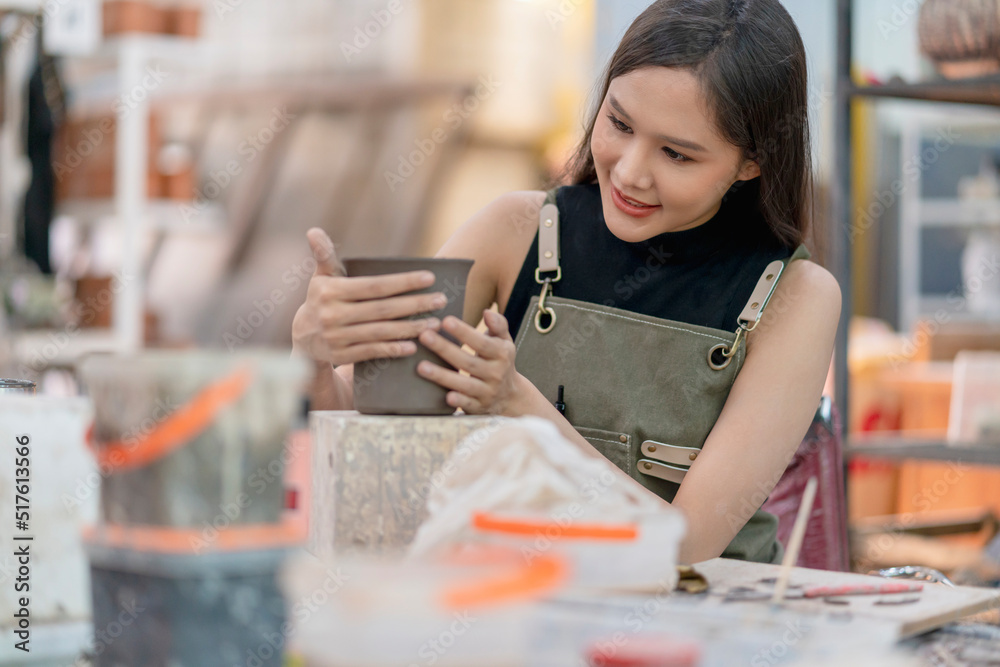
{"points": [[795, 541]]}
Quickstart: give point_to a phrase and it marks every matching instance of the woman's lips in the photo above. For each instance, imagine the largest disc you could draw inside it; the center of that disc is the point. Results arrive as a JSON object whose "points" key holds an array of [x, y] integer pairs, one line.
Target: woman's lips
{"points": [[631, 209]]}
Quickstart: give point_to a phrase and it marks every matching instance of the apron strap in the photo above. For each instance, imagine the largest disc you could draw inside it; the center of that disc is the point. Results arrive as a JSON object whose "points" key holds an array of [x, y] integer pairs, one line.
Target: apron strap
{"points": [[761, 295], [548, 240]]}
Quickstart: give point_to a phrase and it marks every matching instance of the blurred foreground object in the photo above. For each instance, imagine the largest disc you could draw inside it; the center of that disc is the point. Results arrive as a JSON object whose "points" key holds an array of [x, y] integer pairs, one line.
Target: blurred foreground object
{"points": [[62, 496], [191, 449]]}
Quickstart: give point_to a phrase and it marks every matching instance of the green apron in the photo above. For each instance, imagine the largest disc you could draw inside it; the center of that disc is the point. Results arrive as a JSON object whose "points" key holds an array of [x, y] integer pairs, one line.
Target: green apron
{"points": [[644, 391]]}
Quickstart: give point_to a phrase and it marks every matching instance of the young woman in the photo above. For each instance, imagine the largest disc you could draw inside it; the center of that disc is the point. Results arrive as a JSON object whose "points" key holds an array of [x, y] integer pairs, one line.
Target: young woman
{"points": [[641, 288]]}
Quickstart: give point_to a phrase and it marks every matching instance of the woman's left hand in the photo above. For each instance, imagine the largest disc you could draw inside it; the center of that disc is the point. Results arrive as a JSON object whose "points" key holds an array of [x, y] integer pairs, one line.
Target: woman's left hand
{"points": [[492, 384]]}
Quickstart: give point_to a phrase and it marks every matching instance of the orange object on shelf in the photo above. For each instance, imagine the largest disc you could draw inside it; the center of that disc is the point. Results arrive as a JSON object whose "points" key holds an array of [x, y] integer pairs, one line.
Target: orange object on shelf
{"points": [[924, 390], [133, 16], [184, 21], [872, 488]]}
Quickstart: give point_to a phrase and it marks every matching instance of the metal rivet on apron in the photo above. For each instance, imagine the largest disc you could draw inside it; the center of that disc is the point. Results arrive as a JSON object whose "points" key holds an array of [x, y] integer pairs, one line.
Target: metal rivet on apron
{"points": [[623, 438], [726, 360], [548, 254], [754, 306], [693, 455], [770, 276], [647, 466], [548, 223], [652, 448]]}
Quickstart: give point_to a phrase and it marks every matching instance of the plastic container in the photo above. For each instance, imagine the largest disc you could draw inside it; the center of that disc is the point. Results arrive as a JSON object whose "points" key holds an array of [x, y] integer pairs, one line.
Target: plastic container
{"points": [[634, 553], [393, 386], [473, 609], [192, 439]]}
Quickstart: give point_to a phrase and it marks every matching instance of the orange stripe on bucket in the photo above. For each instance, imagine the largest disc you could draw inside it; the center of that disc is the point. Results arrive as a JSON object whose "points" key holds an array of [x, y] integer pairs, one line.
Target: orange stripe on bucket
{"points": [[168, 540], [184, 425], [543, 575], [529, 528]]}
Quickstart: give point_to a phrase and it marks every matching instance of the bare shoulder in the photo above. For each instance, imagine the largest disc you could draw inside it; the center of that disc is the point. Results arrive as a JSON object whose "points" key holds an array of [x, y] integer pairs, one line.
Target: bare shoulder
{"points": [[806, 303], [497, 237], [812, 282]]}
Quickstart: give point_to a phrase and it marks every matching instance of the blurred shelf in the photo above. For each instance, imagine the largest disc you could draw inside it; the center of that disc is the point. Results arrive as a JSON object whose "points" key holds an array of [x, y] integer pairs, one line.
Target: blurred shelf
{"points": [[985, 90], [57, 348], [959, 212], [901, 447], [154, 46], [164, 214], [21, 5]]}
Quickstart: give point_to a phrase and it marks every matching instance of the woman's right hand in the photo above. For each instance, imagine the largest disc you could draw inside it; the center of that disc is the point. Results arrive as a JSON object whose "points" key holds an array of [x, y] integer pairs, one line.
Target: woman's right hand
{"points": [[349, 320]]}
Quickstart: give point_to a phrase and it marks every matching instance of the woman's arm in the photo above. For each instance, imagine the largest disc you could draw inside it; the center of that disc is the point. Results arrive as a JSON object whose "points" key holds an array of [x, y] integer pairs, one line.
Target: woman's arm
{"points": [[767, 414]]}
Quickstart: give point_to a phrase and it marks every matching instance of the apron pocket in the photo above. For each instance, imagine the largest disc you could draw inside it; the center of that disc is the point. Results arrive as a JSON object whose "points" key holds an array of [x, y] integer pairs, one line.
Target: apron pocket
{"points": [[615, 446]]}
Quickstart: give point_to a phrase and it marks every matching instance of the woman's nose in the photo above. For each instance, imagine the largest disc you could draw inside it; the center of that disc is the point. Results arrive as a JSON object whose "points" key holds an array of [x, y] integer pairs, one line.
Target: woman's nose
{"points": [[632, 171]]}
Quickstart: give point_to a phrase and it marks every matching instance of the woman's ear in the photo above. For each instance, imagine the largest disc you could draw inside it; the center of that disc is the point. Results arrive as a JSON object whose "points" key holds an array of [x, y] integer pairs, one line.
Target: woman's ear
{"points": [[749, 171]]}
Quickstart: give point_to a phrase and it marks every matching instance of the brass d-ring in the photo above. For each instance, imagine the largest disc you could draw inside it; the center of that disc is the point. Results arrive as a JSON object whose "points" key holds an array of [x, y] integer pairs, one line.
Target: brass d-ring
{"points": [[538, 320], [726, 357], [545, 310]]}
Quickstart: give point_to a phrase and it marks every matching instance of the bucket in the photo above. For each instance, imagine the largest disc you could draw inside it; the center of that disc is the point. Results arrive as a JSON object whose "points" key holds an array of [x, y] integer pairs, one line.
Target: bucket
{"points": [[190, 439], [160, 610], [393, 386], [11, 387]]}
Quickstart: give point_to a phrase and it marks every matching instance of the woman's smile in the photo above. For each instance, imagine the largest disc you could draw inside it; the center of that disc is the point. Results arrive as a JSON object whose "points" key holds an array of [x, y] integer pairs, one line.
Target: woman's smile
{"points": [[631, 206]]}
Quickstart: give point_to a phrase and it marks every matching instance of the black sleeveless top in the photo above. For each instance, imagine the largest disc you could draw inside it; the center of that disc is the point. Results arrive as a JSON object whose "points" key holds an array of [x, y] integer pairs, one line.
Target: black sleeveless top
{"points": [[701, 276]]}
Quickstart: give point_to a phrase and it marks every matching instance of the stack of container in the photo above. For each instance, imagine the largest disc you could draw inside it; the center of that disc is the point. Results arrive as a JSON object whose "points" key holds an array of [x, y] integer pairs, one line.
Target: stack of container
{"points": [[191, 451]]}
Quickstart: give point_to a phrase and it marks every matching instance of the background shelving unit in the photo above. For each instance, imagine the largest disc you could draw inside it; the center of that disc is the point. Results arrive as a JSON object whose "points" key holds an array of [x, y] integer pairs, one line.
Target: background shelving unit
{"points": [[981, 91]]}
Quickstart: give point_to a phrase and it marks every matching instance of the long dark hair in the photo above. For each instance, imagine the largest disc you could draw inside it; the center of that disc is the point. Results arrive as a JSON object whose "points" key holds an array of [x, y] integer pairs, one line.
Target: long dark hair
{"points": [[748, 56]]}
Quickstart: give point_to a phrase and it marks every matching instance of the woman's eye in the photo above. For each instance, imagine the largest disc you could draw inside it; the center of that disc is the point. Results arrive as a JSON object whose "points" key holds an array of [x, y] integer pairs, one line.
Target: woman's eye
{"points": [[618, 124], [674, 155]]}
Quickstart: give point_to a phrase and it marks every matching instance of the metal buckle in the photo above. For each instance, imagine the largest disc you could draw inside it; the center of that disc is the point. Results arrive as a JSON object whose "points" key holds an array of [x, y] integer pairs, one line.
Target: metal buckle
{"points": [[545, 310], [540, 280]]}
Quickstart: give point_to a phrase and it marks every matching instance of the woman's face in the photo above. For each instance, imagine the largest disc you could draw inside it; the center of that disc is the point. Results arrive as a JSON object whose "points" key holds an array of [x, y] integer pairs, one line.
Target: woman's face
{"points": [[655, 143]]}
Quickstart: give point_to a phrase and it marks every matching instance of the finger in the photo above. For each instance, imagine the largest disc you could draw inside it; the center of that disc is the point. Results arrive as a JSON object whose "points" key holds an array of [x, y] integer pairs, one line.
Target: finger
{"points": [[368, 288], [325, 254], [497, 325], [382, 331], [395, 308], [453, 354], [485, 346], [368, 351], [468, 404], [450, 379]]}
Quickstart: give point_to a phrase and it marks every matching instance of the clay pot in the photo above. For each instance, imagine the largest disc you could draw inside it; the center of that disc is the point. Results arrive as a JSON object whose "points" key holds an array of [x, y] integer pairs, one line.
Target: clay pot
{"points": [[393, 386], [962, 37]]}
